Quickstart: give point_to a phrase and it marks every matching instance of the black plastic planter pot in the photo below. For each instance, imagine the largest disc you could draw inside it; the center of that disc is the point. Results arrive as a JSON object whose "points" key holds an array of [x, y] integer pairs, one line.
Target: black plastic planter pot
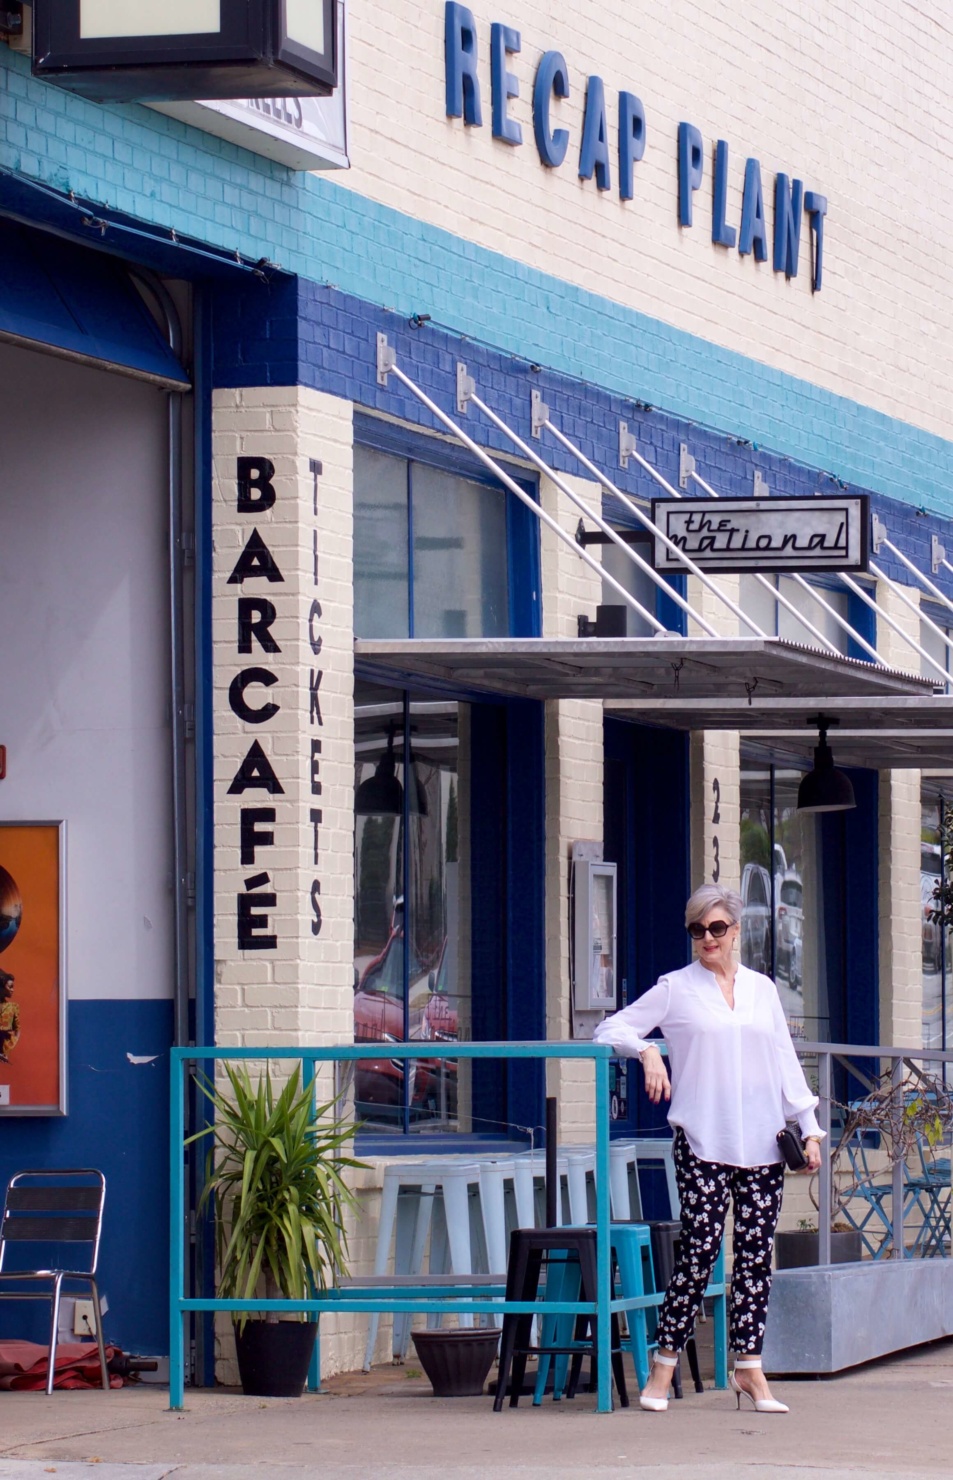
{"points": [[797, 1248], [273, 1358], [456, 1362]]}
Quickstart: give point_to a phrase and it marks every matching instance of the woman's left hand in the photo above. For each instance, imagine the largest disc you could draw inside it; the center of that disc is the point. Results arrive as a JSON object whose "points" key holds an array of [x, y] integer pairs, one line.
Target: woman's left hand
{"points": [[812, 1150]]}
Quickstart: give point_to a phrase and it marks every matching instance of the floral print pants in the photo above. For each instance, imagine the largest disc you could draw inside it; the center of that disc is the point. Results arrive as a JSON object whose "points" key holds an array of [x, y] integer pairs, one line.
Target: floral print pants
{"points": [[704, 1188]]}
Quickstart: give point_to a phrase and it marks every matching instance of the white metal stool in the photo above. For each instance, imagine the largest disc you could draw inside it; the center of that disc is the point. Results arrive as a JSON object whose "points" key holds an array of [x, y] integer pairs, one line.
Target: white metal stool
{"points": [[406, 1223]]}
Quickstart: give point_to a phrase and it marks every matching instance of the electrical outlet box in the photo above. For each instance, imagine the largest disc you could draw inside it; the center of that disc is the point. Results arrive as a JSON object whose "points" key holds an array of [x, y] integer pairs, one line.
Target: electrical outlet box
{"points": [[84, 1316]]}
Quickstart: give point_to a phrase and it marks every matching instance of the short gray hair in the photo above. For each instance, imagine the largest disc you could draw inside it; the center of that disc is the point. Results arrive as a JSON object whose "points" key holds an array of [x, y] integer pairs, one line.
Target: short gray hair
{"points": [[710, 896]]}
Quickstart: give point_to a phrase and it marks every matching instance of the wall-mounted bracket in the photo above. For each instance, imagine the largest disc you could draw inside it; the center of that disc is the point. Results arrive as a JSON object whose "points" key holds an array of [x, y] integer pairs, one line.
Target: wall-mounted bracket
{"points": [[11, 19], [538, 412], [878, 533], [686, 466], [466, 387], [937, 554], [386, 359], [626, 444], [761, 489]]}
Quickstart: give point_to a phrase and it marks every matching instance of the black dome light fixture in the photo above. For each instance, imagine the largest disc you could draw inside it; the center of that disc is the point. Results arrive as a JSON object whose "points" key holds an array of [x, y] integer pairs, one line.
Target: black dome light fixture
{"points": [[382, 795], [824, 789]]}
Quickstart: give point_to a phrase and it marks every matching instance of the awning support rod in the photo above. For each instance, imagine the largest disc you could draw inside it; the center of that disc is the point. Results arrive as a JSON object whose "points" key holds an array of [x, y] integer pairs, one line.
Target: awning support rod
{"points": [[647, 523], [815, 594], [912, 605], [891, 622], [387, 365], [589, 513], [779, 598], [920, 575]]}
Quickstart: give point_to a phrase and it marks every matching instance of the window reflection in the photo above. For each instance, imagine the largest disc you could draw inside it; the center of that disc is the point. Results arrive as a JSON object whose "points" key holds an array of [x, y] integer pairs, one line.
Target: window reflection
{"points": [[430, 551], [935, 947], [782, 923], [411, 974], [776, 620]]}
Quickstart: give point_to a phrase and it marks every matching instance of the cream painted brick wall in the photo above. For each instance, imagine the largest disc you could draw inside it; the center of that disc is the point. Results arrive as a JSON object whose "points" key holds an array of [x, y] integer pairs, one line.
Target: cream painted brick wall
{"points": [[715, 846], [901, 967], [892, 645], [853, 100], [714, 758], [573, 742], [299, 991]]}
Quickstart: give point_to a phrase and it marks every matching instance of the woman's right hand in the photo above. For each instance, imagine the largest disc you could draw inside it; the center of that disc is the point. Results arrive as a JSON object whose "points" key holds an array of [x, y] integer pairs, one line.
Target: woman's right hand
{"points": [[657, 1086]]}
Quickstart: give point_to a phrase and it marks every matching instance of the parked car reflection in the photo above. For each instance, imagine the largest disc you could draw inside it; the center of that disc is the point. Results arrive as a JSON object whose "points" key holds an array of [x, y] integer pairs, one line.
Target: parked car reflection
{"points": [[790, 929], [931, 932], [379, 1018], [756, 917]]}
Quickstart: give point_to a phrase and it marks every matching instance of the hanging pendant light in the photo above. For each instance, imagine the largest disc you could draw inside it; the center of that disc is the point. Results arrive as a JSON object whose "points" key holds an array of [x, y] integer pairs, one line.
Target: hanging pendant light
{"points": [[824, 789], [381, 794]]}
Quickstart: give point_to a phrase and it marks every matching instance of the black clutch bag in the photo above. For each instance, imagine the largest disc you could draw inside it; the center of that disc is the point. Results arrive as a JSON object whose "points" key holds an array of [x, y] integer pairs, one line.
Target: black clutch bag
{"points": [[791, 1149]]}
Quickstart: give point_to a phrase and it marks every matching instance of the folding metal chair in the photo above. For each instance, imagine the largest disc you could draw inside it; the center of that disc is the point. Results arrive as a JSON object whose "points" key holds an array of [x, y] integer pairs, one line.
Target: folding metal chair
{"points": [[42, 1211]]}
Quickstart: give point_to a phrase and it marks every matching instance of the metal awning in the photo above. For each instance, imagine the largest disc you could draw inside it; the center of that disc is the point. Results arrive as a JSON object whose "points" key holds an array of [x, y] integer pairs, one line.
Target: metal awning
{"points": [[895, 733], [662, 670], [79, 305]]}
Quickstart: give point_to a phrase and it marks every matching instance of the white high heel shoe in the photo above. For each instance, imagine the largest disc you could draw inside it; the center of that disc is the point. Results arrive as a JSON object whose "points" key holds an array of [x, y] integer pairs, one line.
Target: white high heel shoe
{"points": [[762, 1405], [657, 1405]]}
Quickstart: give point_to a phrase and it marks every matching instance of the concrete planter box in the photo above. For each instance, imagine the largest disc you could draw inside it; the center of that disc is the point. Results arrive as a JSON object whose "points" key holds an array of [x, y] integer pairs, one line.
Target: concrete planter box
{"points": [[838, 1315]]}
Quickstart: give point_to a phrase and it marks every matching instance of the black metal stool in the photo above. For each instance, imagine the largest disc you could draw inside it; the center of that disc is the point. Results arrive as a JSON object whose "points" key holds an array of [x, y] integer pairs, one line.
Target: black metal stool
{"points": [[530, 1248], [665, 1235]]}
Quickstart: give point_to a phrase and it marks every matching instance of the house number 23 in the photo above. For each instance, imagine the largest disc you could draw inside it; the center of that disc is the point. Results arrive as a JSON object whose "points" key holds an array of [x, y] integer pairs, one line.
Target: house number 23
{"points": [[716, 818]]}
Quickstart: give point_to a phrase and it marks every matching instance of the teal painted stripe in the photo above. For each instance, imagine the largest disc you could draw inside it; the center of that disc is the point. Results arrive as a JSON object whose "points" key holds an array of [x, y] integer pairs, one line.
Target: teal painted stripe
{"points": [[165, 173]]}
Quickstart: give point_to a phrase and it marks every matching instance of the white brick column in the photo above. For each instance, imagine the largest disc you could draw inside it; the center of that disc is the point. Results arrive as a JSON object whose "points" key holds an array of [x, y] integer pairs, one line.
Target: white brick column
{"points": [[283, 716], [900, 948], [715, 765], [573, 739]]}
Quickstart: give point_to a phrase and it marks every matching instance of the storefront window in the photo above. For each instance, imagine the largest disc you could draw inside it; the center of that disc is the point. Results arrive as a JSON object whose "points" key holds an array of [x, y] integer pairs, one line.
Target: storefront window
{"points": [[634, 580], [430, 551], [411, 962], [776, 621], [782, 925], [935, 948], [933, 643]]}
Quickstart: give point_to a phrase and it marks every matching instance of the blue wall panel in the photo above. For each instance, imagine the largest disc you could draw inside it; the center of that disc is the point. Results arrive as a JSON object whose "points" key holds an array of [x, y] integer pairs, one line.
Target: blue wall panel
{"points": [[287, 332], [118, 1121]]}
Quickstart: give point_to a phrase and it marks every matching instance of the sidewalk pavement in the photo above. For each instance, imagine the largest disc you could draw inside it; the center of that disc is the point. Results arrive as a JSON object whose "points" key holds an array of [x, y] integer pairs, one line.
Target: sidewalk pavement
{"points": [[890, 1420]]}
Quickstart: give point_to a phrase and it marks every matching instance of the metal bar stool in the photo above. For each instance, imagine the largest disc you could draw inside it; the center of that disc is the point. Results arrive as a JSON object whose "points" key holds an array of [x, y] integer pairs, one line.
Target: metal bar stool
{"points": [[570, 1253], [631, 1245]]}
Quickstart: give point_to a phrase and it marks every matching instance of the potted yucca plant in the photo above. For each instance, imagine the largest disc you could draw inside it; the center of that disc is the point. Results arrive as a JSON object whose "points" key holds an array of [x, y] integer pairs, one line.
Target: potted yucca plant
{"points": [[276, 1189]]}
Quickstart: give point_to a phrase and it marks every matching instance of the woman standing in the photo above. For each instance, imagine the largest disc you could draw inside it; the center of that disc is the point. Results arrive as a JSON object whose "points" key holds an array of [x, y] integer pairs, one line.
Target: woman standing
{"points": [[735, 1081]]}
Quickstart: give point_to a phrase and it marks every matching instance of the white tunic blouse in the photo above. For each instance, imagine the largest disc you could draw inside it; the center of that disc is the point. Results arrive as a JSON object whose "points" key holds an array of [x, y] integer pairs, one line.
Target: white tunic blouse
{"points": [[735, 1075]]}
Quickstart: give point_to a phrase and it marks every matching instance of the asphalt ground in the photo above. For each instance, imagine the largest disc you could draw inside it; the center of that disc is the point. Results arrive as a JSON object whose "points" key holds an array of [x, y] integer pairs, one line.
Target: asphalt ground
{"points": [[890, 1420]]}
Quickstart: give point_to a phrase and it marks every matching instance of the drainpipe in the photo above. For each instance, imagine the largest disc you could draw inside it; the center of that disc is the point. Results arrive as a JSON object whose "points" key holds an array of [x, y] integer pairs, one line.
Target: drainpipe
{"points": [[182, 721]]}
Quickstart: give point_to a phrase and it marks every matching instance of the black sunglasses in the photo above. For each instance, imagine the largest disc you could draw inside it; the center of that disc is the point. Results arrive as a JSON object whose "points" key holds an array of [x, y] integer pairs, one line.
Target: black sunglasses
{"points": [[716, 929]]}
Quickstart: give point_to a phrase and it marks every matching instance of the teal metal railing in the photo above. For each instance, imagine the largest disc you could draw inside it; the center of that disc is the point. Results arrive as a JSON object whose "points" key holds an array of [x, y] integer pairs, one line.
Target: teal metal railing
{"points": [[349, 1300]]}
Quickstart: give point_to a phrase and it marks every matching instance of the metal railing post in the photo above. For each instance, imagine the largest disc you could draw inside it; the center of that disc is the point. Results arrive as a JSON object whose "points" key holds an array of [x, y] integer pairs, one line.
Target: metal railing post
{"points": [[825, 1180], [603, 1250], [176, 1232], [899, 1168]]}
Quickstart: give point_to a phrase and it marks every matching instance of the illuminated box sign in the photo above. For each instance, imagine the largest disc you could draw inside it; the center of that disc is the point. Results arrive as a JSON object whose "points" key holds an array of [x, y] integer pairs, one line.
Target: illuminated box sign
{"points": [[764, 534], [163, 50]]}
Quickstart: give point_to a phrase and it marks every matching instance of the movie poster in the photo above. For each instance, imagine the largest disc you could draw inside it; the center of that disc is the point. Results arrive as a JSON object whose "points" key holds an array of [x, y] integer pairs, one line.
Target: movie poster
{"points": [[32, 985]]}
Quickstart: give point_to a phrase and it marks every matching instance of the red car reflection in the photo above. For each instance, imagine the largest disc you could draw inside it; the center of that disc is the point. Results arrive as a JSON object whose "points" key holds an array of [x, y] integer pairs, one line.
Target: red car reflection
{"points": [[379, 1017]]}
